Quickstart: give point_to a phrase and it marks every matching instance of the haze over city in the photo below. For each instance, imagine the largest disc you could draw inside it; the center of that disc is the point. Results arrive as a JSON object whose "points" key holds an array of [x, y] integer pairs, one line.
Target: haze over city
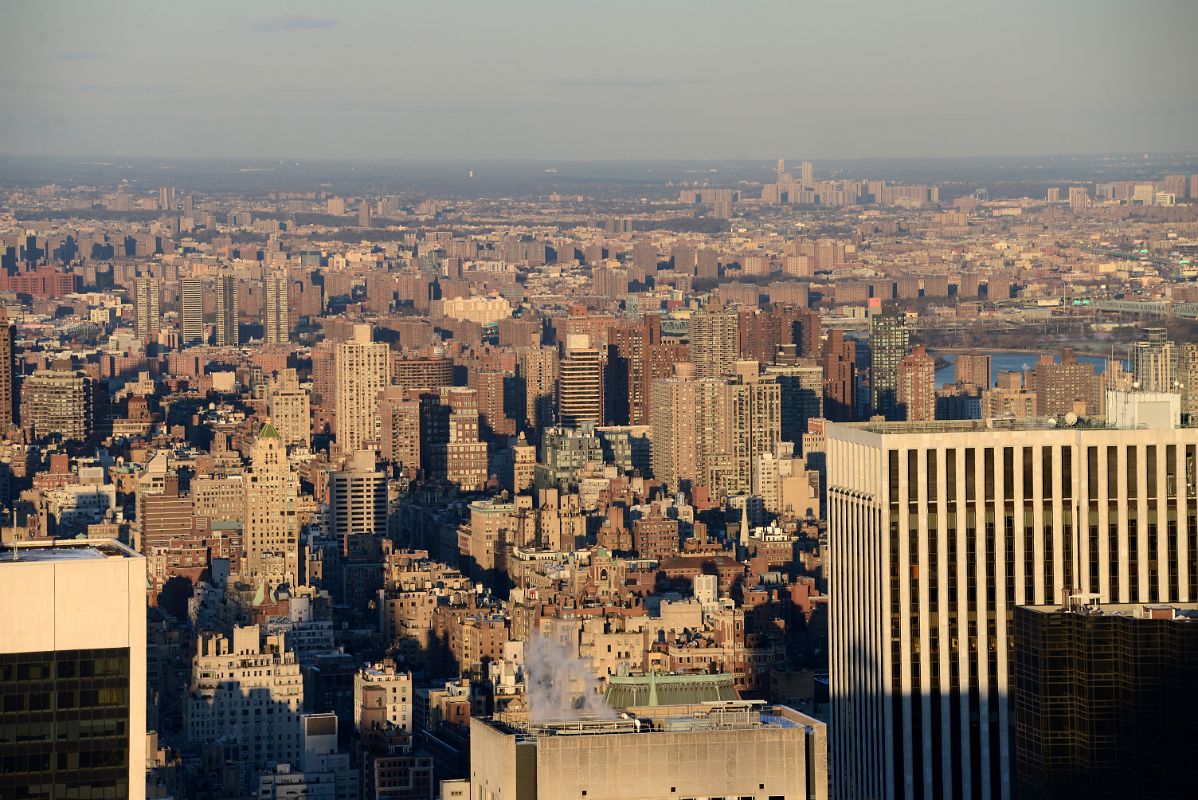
{"points": [[616, 401], [587, 81]]}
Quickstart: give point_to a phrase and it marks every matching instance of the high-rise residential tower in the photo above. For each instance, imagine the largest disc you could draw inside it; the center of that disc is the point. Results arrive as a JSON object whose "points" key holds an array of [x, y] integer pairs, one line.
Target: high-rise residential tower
{"points": [[889, 341], [291, 410], [8, 389], [362, 367], [146, 300], [276, 322], [580, 385], [358, 497], [916, 393], [714, 342], [191, 310], [271, 526], [226, 311], [1154, 362]]}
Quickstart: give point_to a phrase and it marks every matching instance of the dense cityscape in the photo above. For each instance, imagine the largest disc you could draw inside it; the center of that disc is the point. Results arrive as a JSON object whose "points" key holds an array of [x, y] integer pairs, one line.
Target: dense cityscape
{"points": [[406, 479], [396, 403]]}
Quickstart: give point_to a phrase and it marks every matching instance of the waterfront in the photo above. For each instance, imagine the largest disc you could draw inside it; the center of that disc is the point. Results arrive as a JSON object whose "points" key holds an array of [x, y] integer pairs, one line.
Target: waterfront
{"points": [[1004, 362]]}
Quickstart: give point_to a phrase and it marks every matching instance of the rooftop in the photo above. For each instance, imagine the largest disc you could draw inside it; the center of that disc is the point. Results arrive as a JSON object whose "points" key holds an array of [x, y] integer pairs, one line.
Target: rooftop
{"points": [[978, 425], [64, 550], [716, 715]]}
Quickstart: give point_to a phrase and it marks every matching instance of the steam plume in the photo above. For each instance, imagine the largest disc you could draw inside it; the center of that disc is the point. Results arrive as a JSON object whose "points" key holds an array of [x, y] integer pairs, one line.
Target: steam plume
{"points": [[560, 686]]}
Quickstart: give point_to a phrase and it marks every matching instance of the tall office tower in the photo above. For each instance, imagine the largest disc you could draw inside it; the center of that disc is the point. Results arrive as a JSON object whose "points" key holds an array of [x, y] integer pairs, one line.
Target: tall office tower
{"points": [[248, 690], [916, 393], [399, 421], [840, 377], [807, 174], [146, 300], [889, 341], [801, 397], [8, 393], [58, 403], [226, 311], [973, 369], [191, 310], [580, 385], [363, 367], [357, 498], [764, 751], [72, 670], [1154, 362], [291, 410], [276, 321], [364, 215], [1103, 691], [938, 531], [714, 342], [271, 534], [1187, 376], [536, 376]]}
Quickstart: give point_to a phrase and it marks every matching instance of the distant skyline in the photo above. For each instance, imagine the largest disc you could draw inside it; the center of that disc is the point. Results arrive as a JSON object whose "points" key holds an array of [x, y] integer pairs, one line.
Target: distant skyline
{"points": [[596, 81]]}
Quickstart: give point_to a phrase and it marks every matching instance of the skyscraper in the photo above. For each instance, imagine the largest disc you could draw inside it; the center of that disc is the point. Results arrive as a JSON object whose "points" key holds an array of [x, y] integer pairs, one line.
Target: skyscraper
{"points": [[714, 342], [226, 311], [580, 386], [358, 498], [1187, 376], [72, 670], [191, 310], [146, 300], [889, 341], [291, 410], [536, 376], [1154, 362], [7, 373], [276, 322], [709, 432], [58, 403], [362, 367], [271, 527], [938, 531]]}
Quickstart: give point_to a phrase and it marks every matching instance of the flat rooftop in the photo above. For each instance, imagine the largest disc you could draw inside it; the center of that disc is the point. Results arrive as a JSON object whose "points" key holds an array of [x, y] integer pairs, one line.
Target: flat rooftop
{"points": [[64, 550], [979, 425], [697, 718], [1181, 612]]}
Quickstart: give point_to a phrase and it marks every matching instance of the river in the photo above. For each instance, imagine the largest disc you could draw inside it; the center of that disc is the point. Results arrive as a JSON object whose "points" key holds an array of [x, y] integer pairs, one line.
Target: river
{"points": [[1005, 362]]}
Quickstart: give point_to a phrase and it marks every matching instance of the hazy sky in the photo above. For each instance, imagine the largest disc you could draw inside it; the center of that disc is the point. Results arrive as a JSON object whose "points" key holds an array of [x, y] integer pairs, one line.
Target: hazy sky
{"points": [[584, 79]]}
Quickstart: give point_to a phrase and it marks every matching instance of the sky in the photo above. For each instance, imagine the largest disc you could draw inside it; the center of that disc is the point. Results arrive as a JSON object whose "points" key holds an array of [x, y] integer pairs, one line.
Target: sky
{"points": [[591, 80]]}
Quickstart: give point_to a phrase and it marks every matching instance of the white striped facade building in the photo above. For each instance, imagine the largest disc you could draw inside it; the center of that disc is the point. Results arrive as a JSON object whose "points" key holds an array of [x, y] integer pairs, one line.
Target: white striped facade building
{"points": [[937, 531]]}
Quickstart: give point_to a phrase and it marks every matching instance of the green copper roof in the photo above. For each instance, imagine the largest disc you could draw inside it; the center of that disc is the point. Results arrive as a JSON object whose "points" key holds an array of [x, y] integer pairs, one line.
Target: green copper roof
{"points": [[657, 689], [268, 432]]}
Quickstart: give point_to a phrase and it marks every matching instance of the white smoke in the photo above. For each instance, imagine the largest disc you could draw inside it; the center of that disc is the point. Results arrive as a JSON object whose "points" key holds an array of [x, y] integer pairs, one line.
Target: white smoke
{"points": [[560, 686]]}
